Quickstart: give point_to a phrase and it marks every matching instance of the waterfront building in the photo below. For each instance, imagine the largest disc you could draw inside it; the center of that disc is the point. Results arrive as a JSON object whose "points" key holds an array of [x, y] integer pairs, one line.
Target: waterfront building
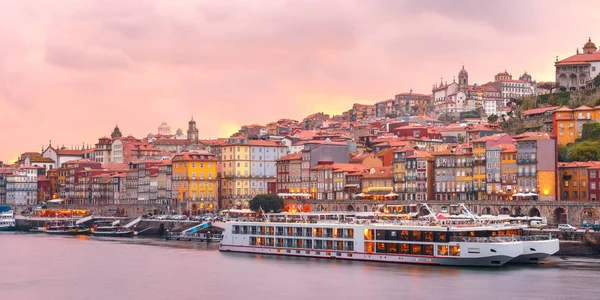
{"points": [[536, 163], [594, 183], [44, 192], [577, 71], [347, 180], [248, 165], [39, 161], [195, 180], [378, 184], [319, 151], [165, 192], [289, 174], [2, 187], [445, 175], [69, 176], [419, 176], [573, 180], [21, 186], [464, 174], [493, 171], [508, 170]]}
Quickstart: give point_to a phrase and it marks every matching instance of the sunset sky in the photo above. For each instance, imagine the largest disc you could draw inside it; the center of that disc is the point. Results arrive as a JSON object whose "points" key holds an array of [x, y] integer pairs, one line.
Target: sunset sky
{"points": [[71, 69]]}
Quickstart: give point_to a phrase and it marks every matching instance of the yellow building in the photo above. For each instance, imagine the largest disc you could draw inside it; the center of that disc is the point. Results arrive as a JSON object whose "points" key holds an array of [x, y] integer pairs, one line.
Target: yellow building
{"points": [[479, 174], [247, 167], [464, 176], [399, 172], [195, 181], [508, 171], [568, 123]]}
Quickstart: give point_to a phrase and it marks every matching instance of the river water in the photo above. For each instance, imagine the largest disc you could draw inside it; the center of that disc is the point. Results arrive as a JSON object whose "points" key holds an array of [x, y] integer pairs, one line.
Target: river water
{"points": [[38, 266]]}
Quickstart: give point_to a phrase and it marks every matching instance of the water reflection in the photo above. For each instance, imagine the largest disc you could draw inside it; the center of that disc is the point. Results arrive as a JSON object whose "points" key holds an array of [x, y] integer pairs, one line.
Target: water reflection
{"points": [[36, 266]]}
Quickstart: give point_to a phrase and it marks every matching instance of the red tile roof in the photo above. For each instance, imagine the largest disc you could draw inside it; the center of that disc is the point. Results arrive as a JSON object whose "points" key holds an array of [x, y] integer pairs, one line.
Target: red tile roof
{"points": [[540, 110], [580, 59]]}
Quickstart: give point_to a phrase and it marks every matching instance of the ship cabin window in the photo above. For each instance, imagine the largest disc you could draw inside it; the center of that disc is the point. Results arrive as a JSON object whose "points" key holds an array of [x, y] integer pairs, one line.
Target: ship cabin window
{"points": [[442, 250], [368, 234], [318, 232]]}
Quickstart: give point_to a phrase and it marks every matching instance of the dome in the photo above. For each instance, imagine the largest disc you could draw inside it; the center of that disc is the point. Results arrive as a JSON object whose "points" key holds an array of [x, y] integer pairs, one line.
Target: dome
{"points": [[463, 71], [589, 44]]}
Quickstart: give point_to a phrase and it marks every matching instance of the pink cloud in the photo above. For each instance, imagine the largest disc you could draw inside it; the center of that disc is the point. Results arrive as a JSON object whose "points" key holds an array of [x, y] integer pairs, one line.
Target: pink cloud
{"points": [[69, 72]]}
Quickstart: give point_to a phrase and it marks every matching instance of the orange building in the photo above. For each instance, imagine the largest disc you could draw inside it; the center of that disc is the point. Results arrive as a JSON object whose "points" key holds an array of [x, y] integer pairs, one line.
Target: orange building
{"points": [[568, 123]]}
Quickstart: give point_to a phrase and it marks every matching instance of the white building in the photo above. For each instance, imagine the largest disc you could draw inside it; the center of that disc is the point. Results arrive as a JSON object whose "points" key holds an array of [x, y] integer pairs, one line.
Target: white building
{"points": [[577, 71], [21, 186]]}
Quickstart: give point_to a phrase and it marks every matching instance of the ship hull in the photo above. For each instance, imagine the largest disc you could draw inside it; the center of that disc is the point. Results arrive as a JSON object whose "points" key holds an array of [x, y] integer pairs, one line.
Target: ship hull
{"points": [[487, 261], [535, 252]]}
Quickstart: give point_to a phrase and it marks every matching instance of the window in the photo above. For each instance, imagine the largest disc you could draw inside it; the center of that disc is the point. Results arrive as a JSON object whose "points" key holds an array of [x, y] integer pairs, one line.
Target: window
{"points": [[566, 195]]}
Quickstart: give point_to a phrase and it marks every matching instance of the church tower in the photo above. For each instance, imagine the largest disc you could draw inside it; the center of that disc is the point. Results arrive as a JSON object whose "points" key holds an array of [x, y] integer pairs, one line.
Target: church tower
{"points": [[463, 80], [116, 133], [192, 132]]}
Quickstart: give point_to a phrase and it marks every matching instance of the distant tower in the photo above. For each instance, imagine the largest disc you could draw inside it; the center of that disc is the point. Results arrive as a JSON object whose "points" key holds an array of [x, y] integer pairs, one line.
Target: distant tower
{"points": [[589, 47], [116, 133], [192, 132], [463, 80], [164, 129]]}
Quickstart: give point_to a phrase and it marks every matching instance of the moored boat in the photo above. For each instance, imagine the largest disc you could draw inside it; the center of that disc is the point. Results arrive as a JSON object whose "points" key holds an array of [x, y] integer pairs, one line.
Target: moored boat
{"points": [[61, 227], [7, 218], [362, 236], [111, 228]]}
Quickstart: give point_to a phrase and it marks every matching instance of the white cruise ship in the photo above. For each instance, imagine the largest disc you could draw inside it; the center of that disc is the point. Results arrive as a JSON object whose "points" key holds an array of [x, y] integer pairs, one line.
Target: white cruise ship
{"points": [[7, 218], [362, 236]]}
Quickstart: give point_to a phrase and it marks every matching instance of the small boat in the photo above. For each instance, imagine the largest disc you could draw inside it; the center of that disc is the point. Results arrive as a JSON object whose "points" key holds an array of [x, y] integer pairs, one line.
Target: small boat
{"points": [[61, 228], [37, 230], [111, 228], [7, 218]]}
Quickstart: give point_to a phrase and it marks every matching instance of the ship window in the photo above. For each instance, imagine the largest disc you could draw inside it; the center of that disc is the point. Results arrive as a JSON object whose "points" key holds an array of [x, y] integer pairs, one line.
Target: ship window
{"points": [[454, 250], [404, 235], [368, 234], [392, 248], [380, 234], [416, 249], [380, 247], [416, 236], [442, 250], [369, 247], [428, 236], [404, 248], [428, 249]]}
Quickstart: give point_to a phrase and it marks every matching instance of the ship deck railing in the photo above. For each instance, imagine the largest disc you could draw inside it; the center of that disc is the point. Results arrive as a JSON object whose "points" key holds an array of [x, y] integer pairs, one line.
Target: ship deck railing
{"points": [[196, 236]]}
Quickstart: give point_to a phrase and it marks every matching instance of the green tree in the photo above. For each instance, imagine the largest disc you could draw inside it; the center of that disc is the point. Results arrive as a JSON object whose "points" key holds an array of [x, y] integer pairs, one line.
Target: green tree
{"points": [[591, 131], [268, 202], [527, 103], [563, 153], [492, 118], [584, 151], [460, 139], [597, 81], [552, 100]]}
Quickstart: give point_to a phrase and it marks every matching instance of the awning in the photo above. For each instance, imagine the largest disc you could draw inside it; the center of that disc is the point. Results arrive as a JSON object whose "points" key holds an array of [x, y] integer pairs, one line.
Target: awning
{"points": [[352, 185], [376, 193], [391, 195], [359, 195], [388, 189], [413, 214]]}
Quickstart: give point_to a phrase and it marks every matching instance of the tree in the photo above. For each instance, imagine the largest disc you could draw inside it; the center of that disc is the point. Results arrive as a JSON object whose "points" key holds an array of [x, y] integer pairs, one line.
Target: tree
{"points": [[268, 202], [591, 131], [563, 153], [552, 100], [527, 103], [584, 151], [492, 118], [597, 81], [460, 139]]}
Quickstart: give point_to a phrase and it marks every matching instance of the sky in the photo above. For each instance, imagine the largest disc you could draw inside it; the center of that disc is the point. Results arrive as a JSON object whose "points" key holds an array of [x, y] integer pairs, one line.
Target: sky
{"points": [[72, 69]]}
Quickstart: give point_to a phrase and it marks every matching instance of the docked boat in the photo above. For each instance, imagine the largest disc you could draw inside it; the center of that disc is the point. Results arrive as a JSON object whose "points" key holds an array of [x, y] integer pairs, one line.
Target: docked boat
{"points": [[363, 236], [111, 228], [61, 227], [7, 218]]}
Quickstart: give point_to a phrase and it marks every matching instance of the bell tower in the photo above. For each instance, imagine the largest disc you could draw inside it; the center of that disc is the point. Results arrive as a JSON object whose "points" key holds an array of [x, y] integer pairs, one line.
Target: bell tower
{"points": [[463, 80], [192, 132]]}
